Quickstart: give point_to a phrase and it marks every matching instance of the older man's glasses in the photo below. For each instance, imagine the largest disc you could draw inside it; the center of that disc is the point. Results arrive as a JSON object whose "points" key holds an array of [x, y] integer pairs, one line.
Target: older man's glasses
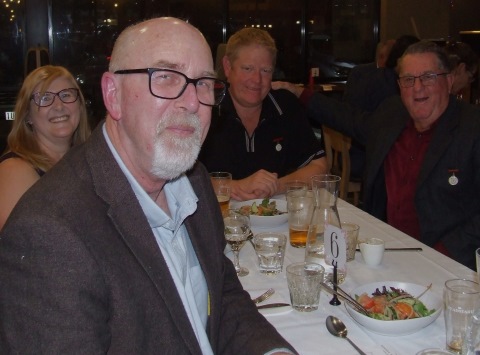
{"points": [[426, 79], [44, 99], [170, 84]]}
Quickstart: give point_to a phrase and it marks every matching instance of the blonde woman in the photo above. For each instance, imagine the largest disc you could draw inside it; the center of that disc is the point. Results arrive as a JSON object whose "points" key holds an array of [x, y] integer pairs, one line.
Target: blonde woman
{"points": [[50, 117]]}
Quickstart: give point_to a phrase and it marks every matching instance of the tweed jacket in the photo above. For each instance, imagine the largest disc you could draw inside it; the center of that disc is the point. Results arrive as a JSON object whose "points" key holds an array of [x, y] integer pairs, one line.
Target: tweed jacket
{"points": [[447, 213], [81, 272]]}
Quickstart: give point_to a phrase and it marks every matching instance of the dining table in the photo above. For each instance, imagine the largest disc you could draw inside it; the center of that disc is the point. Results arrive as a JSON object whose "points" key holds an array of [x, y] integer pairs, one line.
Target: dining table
{"points": [[307, 332]]}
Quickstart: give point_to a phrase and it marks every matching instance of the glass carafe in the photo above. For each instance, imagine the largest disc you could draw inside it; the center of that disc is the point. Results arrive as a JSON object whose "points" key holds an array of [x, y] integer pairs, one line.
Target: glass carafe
{"points": [[325, 192]]}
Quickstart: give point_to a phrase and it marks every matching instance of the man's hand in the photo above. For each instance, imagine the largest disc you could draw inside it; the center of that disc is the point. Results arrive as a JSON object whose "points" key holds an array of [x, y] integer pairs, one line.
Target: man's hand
{"points": [[293, 88], [258, 185]]}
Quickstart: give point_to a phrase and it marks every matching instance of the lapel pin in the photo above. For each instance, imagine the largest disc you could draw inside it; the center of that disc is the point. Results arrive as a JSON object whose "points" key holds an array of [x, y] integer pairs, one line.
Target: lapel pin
{"points": [[453, 180], [278, 146]]}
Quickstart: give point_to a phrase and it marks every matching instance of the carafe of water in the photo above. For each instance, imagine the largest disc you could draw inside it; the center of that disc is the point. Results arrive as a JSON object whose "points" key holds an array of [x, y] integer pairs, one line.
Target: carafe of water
{"points": [[325, 191]]}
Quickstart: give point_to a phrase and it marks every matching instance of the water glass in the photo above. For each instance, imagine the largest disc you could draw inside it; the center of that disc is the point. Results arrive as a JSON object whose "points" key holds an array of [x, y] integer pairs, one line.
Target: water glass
{"points": [[304, 285], [477, 258], [461, 299], [270, 250], [296, 185], [351, 237]]}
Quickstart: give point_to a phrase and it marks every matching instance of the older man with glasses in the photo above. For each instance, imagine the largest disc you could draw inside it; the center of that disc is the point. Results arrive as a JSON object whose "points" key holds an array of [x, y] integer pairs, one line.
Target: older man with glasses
{"points": [[422, 170], [119, 249]]}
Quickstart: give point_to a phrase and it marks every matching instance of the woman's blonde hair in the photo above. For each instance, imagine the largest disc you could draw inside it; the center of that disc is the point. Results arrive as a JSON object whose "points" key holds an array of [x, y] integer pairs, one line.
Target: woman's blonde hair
{"points": [[21, 139]]}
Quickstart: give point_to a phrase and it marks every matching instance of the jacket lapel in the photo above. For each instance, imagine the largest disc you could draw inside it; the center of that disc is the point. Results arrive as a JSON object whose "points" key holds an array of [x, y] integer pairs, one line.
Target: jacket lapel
{"points": [[126, 214], [441, 140], [384, 137]]}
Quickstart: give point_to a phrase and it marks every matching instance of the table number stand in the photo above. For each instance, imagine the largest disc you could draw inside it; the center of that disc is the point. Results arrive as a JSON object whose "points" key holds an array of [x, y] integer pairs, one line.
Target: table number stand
{"points": [[337, 253]]}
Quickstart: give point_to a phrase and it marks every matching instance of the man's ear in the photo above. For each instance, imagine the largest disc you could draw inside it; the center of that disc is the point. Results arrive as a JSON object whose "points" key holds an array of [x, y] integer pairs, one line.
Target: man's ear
{"points": [[111, 95], [461, 68]]}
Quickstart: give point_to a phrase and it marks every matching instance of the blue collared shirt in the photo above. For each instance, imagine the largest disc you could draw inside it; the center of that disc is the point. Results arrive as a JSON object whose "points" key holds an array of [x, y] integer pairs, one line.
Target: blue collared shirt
{"points": [[175, 245]]}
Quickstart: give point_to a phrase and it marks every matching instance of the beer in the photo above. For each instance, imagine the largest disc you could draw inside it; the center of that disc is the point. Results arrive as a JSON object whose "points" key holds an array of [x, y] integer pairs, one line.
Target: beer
{"points": [[455, 346], [224, 202], [298, 238]]}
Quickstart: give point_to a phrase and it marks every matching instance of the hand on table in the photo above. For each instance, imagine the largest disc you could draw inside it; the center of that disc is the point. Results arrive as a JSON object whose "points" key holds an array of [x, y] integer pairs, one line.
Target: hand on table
{"points": [[293, 88], [258, 185]]}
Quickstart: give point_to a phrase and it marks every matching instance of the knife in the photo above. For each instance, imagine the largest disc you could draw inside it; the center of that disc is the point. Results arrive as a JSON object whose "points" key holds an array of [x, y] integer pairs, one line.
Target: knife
{"points": [[400, 249], [273, 305]]}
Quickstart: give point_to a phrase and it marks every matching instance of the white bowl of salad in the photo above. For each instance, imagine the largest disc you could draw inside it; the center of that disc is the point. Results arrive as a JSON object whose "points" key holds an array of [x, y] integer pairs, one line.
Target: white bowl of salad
{"points": [[266, 213], [394, 307]]}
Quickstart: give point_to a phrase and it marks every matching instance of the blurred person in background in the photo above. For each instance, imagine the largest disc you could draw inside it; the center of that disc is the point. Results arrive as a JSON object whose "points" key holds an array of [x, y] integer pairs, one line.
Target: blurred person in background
{"points": [[368, 85], [50, 117], [261, 137], [465, 65]]}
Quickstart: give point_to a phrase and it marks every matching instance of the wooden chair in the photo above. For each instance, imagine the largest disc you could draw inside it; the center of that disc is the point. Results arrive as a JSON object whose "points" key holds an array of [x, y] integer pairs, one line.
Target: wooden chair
{"points": [[337, 147]]}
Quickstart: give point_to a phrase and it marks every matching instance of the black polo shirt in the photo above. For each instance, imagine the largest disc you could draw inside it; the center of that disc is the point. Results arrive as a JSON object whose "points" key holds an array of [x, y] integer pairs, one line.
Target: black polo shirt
{"points": [[282, 142]]}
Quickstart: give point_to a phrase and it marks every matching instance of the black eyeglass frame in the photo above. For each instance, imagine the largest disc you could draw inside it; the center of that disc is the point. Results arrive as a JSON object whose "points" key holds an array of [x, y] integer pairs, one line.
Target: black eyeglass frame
{"points": [[188, 80], [55, 94], [434, 75]]}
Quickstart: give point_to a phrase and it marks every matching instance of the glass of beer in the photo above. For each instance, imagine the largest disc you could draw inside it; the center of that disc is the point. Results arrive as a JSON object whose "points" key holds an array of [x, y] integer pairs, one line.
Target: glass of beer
{"points": [[221, 182], [300, 208]]}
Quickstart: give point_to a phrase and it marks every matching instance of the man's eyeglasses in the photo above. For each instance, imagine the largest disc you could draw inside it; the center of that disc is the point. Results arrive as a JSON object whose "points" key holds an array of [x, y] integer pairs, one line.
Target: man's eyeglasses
{"points": [[426, 79], [170, 84], [46, 98]]}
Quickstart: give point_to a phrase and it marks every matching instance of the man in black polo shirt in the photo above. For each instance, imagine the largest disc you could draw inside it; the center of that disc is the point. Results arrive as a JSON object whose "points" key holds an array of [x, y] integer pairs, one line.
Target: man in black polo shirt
{"points": [[261, 137]]}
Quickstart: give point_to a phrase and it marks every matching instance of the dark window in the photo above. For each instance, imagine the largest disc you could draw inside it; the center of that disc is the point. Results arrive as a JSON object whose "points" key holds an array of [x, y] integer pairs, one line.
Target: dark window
{"points": [[331, 35]]}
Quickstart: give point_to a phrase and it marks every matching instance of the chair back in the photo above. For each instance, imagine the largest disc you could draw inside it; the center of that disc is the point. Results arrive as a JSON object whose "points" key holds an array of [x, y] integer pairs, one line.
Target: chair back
{"points": [[337, 147]]}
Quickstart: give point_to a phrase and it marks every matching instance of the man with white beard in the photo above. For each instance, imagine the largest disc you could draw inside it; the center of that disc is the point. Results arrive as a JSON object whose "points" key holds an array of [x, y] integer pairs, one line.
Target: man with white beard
{"points": [[119, 248]]}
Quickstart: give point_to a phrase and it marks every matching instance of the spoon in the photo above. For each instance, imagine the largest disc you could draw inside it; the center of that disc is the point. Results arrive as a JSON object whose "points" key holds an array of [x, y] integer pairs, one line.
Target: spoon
{"points": [[336, 327]]}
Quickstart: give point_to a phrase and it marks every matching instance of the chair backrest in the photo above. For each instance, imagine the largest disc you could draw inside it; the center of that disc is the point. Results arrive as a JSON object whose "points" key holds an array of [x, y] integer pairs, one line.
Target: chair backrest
{"points": [[337, 147]]}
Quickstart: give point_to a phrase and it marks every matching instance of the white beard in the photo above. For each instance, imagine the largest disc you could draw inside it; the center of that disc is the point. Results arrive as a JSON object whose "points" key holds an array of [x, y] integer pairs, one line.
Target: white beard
{"points": [[173, 155]]}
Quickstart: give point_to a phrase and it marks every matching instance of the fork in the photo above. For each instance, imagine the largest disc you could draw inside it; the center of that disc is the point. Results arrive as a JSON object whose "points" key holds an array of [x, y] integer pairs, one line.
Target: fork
{"points": [[263, 296]]}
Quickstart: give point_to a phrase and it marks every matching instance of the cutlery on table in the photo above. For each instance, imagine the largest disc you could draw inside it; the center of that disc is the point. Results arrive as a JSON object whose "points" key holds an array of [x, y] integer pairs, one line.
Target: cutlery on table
{"points": [[400, 249], [336, 327], [263, 296], [273, 305]]}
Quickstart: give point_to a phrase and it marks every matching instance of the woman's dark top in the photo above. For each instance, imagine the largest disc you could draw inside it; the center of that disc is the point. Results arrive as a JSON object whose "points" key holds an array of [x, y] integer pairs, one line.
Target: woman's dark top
{"points": [[9, 155]]}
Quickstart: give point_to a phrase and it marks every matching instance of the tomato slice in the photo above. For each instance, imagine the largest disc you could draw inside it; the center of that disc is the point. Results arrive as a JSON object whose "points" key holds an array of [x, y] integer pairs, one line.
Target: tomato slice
{"points": [[366, 301], [404, 310], [380, 302]]}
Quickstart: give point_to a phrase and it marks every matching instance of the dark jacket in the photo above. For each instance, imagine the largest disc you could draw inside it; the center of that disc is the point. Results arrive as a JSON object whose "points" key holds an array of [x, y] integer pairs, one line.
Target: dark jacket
{"points": [[447, 213], [81, 272]]}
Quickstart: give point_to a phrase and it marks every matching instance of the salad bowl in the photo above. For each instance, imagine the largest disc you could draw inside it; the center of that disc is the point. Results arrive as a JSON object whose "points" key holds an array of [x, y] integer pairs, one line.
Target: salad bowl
{"points": [[264, 221], [397, 327]]}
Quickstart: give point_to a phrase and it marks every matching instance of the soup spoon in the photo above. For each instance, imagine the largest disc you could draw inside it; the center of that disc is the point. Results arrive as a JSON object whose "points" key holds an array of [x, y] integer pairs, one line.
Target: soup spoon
{"points": [[336, 327]]}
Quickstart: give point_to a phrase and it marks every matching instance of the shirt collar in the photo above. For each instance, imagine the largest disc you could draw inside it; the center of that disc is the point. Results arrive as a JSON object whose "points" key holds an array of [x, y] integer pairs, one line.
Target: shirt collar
{"points": [[181, 199], [270, 107]]}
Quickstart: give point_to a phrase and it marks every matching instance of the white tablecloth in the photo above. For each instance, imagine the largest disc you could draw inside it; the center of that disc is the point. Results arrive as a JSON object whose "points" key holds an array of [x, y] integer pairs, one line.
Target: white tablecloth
{"points": [[307, 331]]}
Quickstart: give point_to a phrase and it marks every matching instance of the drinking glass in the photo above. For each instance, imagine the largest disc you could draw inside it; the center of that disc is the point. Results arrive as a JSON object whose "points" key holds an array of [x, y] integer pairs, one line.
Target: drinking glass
{"points": [[461, 299], [477, 259], [237, 231], [221, 182], [300, 208]]}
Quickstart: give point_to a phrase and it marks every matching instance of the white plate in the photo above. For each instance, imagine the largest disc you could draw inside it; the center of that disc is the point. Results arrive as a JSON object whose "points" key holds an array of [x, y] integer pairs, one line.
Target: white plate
{"points": [[264, 221], [397, 327]]}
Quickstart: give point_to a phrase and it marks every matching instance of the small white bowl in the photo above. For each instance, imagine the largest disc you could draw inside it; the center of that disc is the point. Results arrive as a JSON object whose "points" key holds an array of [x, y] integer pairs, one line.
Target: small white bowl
{"points": [[264, 221], [397, 327]]}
